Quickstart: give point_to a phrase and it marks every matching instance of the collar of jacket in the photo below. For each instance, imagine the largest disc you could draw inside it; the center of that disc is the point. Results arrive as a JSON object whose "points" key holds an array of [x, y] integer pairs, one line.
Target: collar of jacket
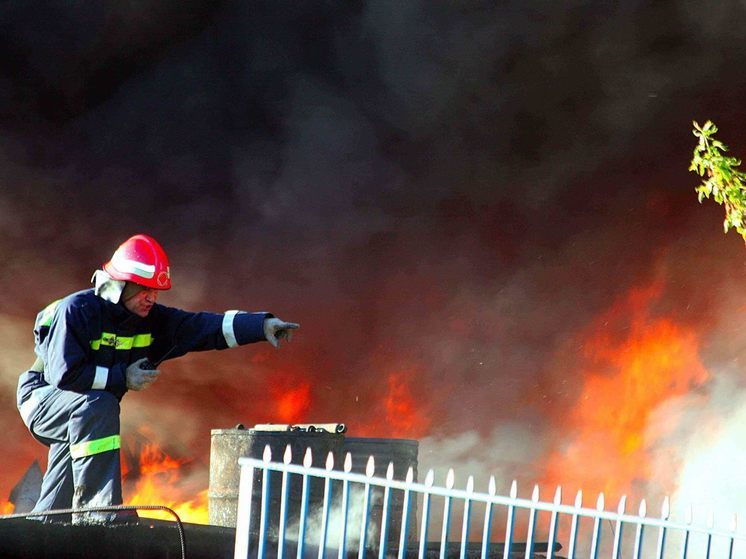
{"points": [[118, 312]]}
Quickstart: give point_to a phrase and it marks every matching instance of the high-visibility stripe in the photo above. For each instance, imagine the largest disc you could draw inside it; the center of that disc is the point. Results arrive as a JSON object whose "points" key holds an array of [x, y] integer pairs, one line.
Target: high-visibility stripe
{"points": [[228, 333], [48, 313], [106, 339], [142, 340], [124, 264], [96, 446], [124, 342], [101, 378]]}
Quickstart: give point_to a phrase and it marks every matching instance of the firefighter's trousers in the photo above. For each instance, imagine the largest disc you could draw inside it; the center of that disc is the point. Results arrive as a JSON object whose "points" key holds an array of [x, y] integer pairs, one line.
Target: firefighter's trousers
{"points": [[83, 468]]}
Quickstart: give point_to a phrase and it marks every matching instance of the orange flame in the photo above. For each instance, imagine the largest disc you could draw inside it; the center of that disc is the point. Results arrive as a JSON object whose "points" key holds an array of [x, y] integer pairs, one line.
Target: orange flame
{"points": [[395, 412], [291, 404], [627, 378], [158, 484], [402, 412], [7, 507]]}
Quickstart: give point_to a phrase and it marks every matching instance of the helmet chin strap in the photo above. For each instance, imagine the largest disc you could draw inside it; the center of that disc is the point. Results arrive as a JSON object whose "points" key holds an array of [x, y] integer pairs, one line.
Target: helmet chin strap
{"points": [[107, 287]]}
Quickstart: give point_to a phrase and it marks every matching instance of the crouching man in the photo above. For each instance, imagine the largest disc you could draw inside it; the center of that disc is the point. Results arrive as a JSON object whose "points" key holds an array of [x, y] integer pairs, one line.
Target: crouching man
{"points": [[91, 348]]}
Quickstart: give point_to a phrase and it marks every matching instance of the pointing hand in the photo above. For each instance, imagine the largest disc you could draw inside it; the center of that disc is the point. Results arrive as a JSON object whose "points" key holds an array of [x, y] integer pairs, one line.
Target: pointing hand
{"points": [[276, 330]]}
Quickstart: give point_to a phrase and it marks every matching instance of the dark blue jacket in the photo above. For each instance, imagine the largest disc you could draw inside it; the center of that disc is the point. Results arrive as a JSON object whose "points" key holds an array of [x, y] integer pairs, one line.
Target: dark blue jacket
{"points": [[86, 342]]}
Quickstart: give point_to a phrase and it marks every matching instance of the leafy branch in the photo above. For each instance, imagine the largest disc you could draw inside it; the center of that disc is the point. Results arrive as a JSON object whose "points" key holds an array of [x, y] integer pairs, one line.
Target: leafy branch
{"points": [[724, 182]]}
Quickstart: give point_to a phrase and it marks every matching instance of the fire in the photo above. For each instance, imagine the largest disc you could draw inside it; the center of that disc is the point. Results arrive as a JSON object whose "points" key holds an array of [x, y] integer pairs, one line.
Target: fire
{"points": [[626, 378], [7, 507], [402, 411], [395, 412], [158, 483], [291, 404]]}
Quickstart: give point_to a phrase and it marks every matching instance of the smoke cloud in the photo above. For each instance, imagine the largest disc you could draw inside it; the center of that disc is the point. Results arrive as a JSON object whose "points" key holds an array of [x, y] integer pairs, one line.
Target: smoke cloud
{"points": [[444, 196]]}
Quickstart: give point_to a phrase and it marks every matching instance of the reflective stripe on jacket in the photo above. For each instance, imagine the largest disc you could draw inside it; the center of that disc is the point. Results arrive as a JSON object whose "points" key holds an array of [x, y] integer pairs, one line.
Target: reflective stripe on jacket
{"points": [[86, 342]]}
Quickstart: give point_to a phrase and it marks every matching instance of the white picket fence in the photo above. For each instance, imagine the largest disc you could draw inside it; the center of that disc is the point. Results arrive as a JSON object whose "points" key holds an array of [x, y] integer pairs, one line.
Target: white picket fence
{"points": [[282, 511]]}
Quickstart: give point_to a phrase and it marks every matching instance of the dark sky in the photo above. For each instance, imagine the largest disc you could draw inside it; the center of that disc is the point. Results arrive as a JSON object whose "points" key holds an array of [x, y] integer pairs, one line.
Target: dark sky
{"points": [[442, 194]]}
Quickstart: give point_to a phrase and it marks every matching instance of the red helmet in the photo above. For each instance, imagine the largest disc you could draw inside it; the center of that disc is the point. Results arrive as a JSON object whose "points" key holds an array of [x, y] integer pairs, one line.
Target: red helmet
{"points": [[141, 260]]}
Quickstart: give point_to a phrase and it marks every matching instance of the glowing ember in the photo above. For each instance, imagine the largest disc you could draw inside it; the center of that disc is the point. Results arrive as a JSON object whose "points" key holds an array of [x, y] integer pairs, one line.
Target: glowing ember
{"points": [[7, 507], [158, 483], [627, 377]]}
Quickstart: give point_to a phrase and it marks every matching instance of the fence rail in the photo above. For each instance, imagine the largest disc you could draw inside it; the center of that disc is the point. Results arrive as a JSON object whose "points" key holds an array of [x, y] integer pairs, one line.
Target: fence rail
{"points": [[287, 509]]}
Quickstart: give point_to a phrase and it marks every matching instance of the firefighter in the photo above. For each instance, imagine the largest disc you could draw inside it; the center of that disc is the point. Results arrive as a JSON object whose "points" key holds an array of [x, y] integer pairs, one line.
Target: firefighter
{"points": [[91, 348]]}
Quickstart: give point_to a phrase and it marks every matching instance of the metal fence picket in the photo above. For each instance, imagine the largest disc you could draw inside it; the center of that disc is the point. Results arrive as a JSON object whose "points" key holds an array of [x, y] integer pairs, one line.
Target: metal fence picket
{"points": [[307, 461], [710, 524], [429, 479], [326, 510], [345, 508], [450, 480], [385, 513], [243, 514], [553, 523], [510, 520], [403, 538], [574, 525], [619, 529], [370, 469], [266, 473], [640, 529], [685, 544], [335, 529], [466, 519], [287, 458], [531, 524], [597, 528], [665, 512], [487, 529]]}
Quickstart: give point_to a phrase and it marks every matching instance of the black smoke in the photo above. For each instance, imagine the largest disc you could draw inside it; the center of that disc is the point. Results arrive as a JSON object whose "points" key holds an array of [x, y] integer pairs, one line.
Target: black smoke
{"points": [[451, 189]]}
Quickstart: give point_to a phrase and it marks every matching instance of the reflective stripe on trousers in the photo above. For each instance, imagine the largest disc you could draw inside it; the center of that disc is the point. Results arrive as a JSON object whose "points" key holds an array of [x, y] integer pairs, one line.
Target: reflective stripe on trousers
{"points": [[82, 431], [95, 446]]}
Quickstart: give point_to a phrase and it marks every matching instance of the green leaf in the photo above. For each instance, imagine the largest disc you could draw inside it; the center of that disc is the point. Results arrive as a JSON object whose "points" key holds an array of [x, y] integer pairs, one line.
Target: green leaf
{"points": [[724, 182]]}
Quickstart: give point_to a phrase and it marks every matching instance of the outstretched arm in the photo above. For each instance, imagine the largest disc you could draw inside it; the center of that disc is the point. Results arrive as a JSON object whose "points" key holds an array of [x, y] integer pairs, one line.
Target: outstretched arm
{"points": [[179, 332]]}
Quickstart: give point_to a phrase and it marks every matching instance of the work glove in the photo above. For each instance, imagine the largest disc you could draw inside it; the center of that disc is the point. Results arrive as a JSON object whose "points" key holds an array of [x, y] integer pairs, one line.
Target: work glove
{"points": [[141, 374], [276, 330]]}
